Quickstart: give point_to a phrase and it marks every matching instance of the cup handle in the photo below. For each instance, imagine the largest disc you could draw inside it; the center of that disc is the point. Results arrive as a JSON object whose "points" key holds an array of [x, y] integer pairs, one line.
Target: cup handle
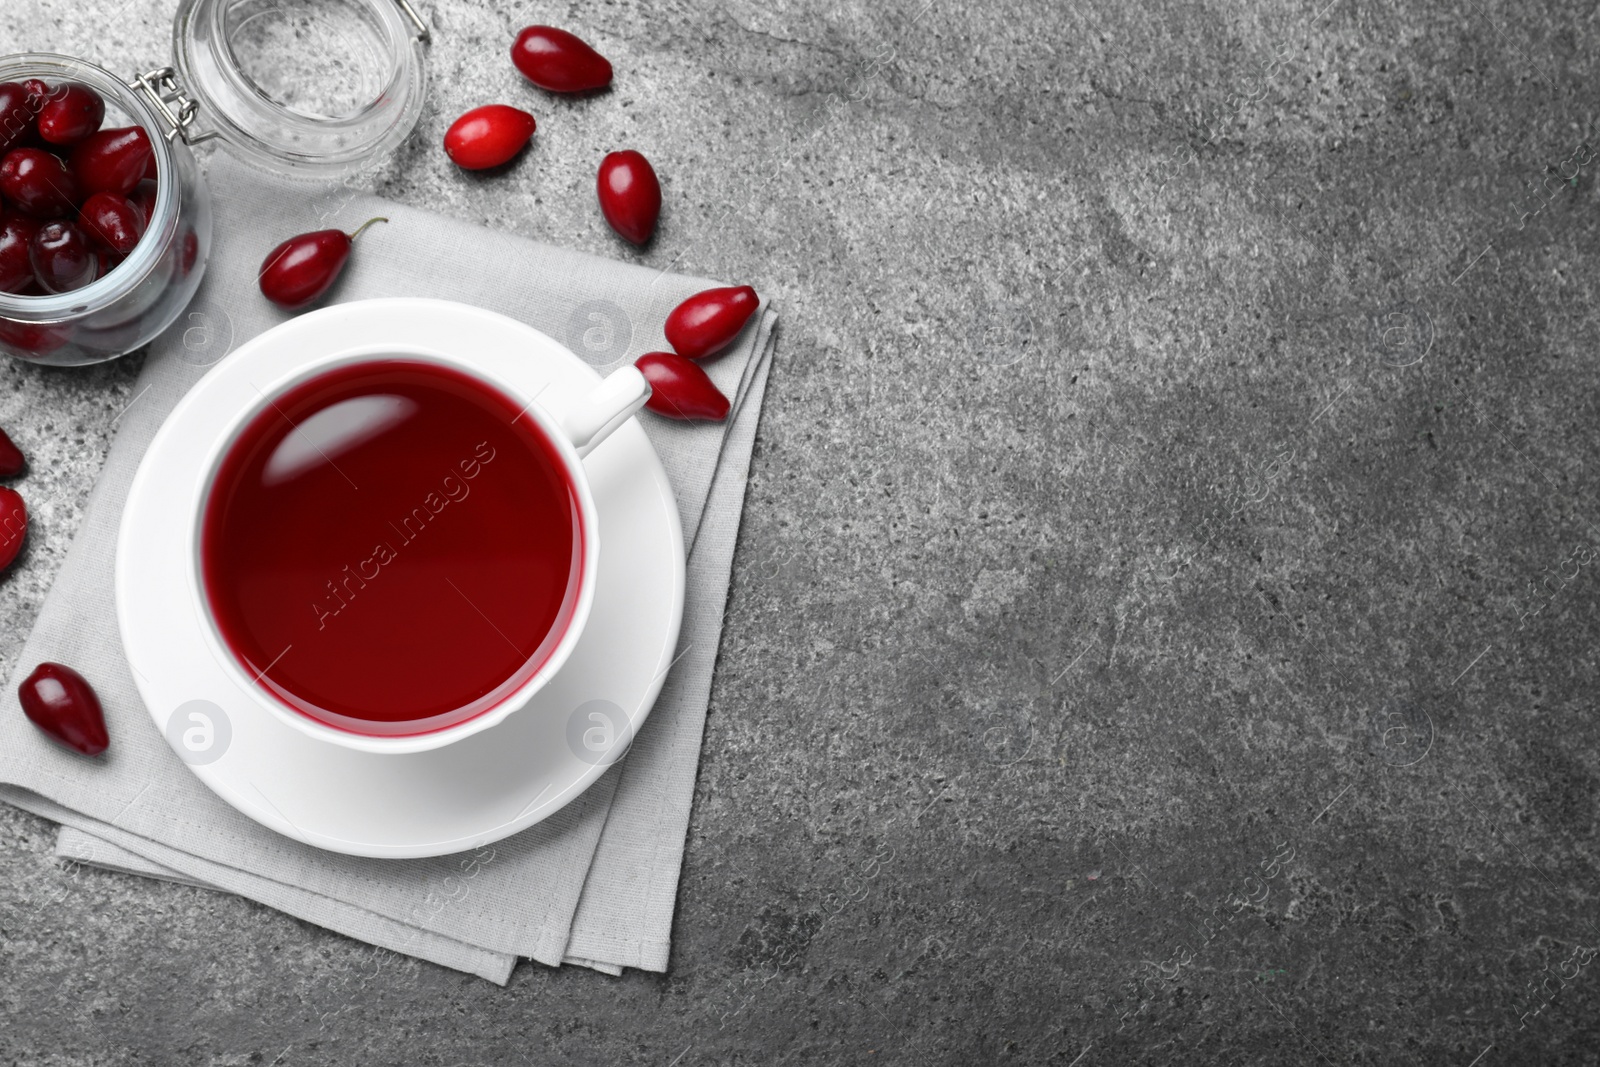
{"points": [[594, 417]]}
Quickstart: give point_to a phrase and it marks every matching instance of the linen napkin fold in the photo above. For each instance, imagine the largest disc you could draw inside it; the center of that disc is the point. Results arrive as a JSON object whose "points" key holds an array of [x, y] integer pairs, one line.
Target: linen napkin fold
{"points": [[596, 883]]}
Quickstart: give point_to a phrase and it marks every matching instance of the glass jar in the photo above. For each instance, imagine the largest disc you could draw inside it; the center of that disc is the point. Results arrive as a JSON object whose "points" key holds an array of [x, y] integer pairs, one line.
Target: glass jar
{"points": [[245, 77], [141, 296]]}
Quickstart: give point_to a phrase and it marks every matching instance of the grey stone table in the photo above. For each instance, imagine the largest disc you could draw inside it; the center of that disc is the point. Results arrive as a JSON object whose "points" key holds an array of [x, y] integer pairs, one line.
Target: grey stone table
{"points": [[1163, 627]]}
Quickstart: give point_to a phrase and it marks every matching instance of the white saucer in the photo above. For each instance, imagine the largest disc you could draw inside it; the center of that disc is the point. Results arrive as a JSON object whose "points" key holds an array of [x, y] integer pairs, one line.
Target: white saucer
{"points": [[480, 789]]}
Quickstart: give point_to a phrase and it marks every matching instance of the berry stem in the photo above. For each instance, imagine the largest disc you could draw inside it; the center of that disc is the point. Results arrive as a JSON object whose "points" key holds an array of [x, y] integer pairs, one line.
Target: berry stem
{"points": [[362, 228]]}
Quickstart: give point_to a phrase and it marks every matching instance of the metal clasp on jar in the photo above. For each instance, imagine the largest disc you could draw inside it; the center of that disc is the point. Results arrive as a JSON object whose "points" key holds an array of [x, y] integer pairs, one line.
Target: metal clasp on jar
{"points": [[416, 19], [167, 94]]}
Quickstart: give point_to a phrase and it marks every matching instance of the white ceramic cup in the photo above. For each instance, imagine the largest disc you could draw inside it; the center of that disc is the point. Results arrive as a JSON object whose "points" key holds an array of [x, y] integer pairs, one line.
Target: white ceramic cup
{"points": [[573, 425]]}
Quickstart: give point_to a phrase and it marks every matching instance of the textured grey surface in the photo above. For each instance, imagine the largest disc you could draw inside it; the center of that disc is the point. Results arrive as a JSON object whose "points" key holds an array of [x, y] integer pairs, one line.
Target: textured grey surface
{"points": [[1126, 660]]}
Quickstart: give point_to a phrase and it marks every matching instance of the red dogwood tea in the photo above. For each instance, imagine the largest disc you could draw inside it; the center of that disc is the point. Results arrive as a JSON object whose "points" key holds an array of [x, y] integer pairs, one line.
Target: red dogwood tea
{"points": [[391, 547]]}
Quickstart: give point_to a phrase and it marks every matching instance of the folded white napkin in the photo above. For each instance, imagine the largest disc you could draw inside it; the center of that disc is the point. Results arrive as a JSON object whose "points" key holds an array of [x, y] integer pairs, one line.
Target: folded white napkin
{"points": [[596, 883]]}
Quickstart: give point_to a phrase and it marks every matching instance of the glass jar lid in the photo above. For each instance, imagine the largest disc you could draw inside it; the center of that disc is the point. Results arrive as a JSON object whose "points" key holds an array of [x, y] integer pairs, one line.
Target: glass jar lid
{"points": [[305, 88]]}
